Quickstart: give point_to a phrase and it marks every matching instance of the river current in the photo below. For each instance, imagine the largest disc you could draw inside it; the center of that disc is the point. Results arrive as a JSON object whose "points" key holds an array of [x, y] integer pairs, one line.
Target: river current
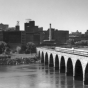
{"points": [[35, 76]]}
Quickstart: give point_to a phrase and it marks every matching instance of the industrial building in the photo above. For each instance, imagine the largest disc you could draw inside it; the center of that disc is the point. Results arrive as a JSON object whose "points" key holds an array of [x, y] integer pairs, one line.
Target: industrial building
{"points": [[33, 33], [16, 37], [55, 36]]}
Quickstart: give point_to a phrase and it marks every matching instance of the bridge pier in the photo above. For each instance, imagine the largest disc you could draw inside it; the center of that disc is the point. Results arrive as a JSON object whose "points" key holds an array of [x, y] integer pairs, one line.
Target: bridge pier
{"points": [[86, 75]]}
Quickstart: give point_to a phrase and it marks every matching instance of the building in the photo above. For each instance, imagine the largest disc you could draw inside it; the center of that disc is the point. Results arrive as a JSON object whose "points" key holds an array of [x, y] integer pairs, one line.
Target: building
{"points": [[14, 37], [4, 27], [61, 36], [1, 36], [58, 37], [77, 33], [23, 37], [77, 36], [11, 29], [33, 33]]}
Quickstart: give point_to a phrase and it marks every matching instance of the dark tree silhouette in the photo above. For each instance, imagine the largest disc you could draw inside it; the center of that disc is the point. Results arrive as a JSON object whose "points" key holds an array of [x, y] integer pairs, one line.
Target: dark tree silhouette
{"points": [[2, 46], [30, 47], [23, 49]]}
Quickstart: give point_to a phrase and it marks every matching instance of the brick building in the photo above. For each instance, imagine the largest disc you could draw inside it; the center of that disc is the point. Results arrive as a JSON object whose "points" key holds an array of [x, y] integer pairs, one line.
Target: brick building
{"points": [[16, 37], [32, 33], [58, 36]]}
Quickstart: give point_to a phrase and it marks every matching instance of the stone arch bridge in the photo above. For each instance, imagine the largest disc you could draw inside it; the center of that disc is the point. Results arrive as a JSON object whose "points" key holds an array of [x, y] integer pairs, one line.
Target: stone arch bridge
{"points": [[73, 62]]}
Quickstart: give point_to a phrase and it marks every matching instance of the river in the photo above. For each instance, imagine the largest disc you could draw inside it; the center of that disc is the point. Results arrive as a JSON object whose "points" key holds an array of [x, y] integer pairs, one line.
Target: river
{"points": [[35, 76]]}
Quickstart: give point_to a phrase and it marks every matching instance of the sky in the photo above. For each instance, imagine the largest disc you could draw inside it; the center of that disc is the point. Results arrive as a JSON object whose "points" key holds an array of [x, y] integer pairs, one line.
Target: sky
{"points": [[69, 15]]}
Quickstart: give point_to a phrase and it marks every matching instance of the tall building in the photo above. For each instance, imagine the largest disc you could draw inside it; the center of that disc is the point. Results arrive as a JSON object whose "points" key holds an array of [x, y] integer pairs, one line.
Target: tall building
{"points": [[33, 33], [29, 26]]}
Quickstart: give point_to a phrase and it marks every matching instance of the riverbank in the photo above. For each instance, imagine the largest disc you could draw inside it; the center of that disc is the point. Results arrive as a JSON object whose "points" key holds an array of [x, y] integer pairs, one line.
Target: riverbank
{"points": [[16, 59], [13, 56]]}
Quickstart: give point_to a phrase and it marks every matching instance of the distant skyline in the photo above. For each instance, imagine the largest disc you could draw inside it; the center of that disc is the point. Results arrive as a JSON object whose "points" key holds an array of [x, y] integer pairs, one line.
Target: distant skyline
{"points": [[69, 15]]}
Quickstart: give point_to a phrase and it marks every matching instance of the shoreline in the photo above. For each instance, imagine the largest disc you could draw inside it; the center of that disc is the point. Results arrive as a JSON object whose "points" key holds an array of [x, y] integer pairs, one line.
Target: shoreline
{"points": [[17, 59], [34, 55]]}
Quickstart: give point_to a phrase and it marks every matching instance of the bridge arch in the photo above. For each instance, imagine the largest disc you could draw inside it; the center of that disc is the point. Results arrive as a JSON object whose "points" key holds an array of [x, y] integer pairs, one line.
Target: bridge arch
{"points": [[46, 58], [42, 57], [69, 67], [86, 75], [78, 71], [51, 62], [62, 64], [56, 62]]}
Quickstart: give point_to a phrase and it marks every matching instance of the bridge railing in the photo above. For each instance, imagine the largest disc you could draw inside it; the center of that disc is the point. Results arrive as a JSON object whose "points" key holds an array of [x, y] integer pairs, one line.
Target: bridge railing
{"points": [[72, 51]]}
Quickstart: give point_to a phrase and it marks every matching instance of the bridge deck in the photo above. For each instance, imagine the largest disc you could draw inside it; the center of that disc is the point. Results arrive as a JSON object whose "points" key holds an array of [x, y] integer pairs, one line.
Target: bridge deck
{"points": [[73, 51]]}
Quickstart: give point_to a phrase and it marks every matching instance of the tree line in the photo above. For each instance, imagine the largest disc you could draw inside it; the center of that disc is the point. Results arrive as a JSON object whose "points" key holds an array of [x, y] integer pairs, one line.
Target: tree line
{"points": [[28, 48]]}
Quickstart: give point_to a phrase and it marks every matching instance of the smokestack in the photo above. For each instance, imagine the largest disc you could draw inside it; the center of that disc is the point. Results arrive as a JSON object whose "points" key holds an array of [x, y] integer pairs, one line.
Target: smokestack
{"points": [[50, 34]]}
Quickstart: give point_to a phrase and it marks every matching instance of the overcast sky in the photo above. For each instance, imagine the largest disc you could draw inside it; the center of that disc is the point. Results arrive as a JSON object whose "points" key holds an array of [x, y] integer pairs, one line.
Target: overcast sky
{"points": [[69, 15]]}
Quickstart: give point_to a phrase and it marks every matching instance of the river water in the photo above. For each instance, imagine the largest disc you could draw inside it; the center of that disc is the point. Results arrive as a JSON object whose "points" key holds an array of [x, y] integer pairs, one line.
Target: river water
{"points": [[35, 76]]}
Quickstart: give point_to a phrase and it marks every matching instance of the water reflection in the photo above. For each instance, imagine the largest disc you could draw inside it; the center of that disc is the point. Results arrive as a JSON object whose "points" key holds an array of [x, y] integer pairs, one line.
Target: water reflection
{"points": [[35, 76]]}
